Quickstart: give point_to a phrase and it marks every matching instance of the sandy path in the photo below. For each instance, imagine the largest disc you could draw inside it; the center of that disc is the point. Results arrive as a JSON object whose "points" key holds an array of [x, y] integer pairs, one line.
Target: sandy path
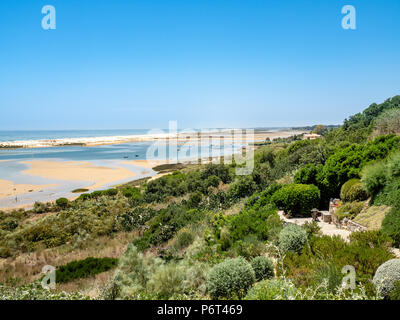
{"points": [[328, 229]]}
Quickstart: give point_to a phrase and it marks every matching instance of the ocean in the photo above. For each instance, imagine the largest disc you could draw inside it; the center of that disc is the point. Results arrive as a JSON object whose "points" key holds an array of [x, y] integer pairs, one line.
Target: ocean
{"points": [[23, 135], [12, 167]]}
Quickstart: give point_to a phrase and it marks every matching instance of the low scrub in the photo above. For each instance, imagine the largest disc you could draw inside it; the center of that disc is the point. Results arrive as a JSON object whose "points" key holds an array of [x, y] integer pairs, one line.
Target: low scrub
{"points": [[292, 238], [230, 279], [386, 277], [349, 210], [391, 226], [263, 268]]}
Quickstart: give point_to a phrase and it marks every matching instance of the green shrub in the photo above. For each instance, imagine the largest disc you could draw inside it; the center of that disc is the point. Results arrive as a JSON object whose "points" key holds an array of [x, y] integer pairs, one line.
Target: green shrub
{"points": [[325, 256], [308, 174], [84, 197], [8, 223], [386, 276], [96, 194], [40, 207], [111, 192], [374, 177], [371, 238], [258, 200], [195, 200], [62, 203], [391, 226], [292, 238], [167, 281], [393, 165], [263, 223], [312, 229], [389, 195], [263, 268], [35, 291], [169, 185], [168, 221], [297, 199], [212, 181], [131, 192], [352, 190], [347, 163], [395, 293], [384, 179], [242, 187], [274, 289], [387, 122], [135, 218], [346, 187], [230, 279], [183, 239], [349, 210], [84, 268], [249, 248], [219, 170]]}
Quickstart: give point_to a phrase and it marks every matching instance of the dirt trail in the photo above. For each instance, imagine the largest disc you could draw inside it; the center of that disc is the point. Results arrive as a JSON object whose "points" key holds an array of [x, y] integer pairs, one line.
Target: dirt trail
{"points": [[328, 229]]}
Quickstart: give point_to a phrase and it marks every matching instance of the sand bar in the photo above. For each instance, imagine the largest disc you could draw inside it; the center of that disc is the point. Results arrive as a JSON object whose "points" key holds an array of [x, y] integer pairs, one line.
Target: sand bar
{"points": [[148, 164], [78, 171], [9, 189]]}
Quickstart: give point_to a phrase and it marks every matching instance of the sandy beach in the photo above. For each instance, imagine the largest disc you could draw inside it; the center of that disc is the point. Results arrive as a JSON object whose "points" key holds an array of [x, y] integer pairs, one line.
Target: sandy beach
{"points": [[149, 164], [9, 189], [78, 171]]}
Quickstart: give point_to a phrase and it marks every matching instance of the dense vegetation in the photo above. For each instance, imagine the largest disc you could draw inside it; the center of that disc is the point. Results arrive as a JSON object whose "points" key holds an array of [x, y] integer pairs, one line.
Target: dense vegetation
{"points": [[84, 268], [202, 232]]}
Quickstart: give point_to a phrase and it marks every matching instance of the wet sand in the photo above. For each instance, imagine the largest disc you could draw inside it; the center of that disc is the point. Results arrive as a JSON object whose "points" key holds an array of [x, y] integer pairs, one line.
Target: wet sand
{"points": [[9, 189], [149, 164], [78, 171]]}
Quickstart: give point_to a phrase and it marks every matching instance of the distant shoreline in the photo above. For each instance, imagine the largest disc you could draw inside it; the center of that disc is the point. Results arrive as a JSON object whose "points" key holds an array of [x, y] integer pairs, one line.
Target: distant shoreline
{"points": [[259, 136]]}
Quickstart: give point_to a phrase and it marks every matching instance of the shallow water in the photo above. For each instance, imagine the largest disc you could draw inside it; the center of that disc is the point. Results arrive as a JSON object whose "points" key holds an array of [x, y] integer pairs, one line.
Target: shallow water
{"points": [[12, 169]]}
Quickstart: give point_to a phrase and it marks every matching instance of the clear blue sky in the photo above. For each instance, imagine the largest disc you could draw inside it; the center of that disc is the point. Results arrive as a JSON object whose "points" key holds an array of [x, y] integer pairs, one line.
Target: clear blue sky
{"points": [[206, 63]]}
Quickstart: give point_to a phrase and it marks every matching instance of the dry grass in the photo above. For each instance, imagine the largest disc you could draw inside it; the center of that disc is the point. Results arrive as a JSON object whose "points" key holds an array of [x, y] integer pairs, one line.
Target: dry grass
{"points": [[236, 208], [89, 286], [372, 217], [28, 266]]}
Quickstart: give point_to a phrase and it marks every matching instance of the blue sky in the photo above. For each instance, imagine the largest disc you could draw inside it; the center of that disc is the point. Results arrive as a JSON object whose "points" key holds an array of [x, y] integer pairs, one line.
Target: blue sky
{"points": [[205, 63]]}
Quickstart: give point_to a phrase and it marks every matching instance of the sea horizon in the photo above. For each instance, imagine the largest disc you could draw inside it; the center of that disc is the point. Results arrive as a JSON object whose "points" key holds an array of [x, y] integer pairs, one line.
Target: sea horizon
{"points": [[34, 135]]}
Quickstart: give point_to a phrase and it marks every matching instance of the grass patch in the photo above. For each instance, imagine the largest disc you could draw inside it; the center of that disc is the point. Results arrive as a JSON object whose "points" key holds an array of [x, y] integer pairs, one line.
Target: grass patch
{"points": [[168, 167], [372, 217], [80, 190], [84, 268]]}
